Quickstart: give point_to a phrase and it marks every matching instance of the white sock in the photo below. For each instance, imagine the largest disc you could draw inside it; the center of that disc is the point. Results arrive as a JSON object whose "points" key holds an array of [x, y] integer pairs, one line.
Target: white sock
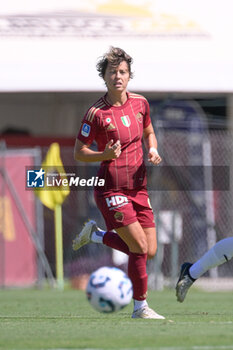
{"points": [[221, 252], [138, 304], [97, 236]]}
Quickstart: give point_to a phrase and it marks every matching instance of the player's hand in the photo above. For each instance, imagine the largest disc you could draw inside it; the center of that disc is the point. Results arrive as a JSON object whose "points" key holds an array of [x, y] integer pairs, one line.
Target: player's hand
{"points": [[112, 150], [153, 156]]}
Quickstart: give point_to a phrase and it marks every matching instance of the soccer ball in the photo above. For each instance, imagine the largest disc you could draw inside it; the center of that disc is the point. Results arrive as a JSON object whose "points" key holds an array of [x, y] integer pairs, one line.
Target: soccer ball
{"points": [[109, 289]]}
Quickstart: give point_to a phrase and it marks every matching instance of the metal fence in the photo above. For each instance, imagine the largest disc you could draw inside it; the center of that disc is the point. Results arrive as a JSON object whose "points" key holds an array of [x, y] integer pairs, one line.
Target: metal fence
{"points": [[188, 221], [192, 202]]}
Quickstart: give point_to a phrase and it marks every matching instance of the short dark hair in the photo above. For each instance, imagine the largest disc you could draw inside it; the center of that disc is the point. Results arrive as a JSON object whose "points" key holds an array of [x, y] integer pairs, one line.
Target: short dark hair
{"points": [[114, 57]]}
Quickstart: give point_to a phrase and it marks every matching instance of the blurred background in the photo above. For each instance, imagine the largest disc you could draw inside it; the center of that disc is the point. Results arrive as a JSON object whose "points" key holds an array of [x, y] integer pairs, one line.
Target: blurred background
{"points": [[183, 65]]}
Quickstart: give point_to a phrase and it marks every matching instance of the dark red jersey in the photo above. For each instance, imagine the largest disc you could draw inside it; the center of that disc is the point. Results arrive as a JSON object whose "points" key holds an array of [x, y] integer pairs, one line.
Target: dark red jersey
{"points": [[104, 122]]}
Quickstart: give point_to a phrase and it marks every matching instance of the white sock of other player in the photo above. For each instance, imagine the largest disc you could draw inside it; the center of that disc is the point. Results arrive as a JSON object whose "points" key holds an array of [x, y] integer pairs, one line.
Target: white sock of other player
{"points": [[97, 236], [220, 253], [138, 304]]}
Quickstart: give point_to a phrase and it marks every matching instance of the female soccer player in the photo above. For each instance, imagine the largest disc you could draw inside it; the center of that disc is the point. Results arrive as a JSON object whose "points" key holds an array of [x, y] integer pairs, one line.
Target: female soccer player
{"points": [[220, 253], [118, 122]]}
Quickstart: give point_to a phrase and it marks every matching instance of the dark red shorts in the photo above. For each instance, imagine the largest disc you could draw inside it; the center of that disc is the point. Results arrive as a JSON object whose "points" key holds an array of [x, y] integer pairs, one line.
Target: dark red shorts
{"points": [[121, 208]]}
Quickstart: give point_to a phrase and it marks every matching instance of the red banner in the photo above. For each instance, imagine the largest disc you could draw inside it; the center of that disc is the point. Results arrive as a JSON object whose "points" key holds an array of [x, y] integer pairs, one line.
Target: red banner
{"points": [[18, 261]]}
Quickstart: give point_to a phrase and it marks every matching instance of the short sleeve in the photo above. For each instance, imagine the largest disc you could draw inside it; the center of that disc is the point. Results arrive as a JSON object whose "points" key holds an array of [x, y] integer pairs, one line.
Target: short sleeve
{"points": [[88, 130], [146, 119]]}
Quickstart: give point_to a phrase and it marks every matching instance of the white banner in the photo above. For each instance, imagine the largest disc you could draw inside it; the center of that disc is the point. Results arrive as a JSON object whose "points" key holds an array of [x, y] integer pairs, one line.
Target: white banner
{"points": [[176, 45]]}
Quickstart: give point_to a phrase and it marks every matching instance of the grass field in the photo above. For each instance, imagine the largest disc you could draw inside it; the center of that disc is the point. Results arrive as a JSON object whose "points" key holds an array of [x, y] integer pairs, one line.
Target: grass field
{"points": [[51, 319]]}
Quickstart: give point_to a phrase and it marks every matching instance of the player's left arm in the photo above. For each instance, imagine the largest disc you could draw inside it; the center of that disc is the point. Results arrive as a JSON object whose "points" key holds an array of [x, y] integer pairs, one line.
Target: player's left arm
{"points": [[151, 145]]}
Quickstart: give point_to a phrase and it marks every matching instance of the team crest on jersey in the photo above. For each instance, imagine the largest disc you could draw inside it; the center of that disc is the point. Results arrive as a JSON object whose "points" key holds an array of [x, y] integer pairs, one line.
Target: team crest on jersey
{"points": [[139, 117], [126, 121]]}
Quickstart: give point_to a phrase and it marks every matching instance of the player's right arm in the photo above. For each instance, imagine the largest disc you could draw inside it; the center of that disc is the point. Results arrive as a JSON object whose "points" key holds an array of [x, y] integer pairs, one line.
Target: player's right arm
{"points": [[90, 128], [83, 153]]}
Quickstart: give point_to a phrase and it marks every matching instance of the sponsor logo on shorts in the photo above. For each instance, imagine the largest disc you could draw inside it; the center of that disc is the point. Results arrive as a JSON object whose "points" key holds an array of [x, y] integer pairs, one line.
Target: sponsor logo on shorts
{"points": [[114, 202], [119, 216]]}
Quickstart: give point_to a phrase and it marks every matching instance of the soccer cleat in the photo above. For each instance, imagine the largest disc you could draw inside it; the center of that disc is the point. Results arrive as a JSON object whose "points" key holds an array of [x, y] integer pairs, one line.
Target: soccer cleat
{"points": [[146, 312], [85, 235], [184, 282]]}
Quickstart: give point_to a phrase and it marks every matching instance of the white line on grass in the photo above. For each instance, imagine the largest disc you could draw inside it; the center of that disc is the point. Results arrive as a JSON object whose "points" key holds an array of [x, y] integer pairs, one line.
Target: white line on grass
{"points": [[209, 347], [210, 322]]}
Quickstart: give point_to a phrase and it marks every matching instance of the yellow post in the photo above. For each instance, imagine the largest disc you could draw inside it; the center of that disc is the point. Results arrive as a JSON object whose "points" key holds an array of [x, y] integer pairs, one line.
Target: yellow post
{"points": [[59, 246]]}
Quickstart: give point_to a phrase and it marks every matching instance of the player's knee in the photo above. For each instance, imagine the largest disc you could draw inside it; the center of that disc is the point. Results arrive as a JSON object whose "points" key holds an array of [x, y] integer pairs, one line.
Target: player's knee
{"points": [[151, 253], [152, 248], [142, 246], [150, 256]]}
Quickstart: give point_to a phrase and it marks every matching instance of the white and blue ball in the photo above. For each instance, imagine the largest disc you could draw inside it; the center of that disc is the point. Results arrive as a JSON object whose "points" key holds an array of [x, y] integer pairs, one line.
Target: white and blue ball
{"points": [[109, 289]]}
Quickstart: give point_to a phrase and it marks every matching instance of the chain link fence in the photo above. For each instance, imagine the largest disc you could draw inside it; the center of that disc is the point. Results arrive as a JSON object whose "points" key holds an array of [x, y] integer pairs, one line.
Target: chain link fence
{"points": [[188, 221], [190, 192]]}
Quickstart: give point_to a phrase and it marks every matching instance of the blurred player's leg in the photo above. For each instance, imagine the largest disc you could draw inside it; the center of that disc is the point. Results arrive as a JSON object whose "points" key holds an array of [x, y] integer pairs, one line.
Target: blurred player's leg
{"points": [[112, 240], [220, 253], [92, 233], [151, 240], [135, 238]]}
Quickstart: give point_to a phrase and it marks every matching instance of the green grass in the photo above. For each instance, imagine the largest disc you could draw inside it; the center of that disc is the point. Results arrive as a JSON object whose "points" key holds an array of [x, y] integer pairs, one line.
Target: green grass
{"points": [[51, 319]]}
